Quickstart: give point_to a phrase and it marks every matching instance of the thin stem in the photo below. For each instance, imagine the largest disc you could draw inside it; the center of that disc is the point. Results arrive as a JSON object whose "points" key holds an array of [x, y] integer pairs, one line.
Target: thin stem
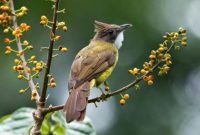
{"points": [[116, 92], [19, 45], [49, 57]]}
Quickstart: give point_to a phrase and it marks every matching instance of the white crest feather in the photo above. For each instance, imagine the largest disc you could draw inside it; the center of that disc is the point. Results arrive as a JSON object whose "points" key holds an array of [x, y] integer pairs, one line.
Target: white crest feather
{"points": [[119, 40]]}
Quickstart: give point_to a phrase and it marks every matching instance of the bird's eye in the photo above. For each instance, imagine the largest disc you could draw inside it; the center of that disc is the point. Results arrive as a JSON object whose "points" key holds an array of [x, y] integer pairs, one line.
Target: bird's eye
{"points": [[110, 31]]}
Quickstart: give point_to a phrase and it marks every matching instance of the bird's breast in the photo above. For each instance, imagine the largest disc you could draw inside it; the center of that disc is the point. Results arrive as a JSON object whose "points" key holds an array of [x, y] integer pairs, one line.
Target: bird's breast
{"points": [[104, 76]]}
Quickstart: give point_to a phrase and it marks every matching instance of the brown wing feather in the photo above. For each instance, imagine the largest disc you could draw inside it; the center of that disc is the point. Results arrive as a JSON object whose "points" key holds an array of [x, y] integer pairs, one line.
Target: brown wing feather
{"points": [[91, 67], [86, 66]]}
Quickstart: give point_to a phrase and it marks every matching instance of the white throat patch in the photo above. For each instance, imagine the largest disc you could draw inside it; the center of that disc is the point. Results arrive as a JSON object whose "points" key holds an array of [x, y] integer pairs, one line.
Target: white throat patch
{"points": [[119, 40]]}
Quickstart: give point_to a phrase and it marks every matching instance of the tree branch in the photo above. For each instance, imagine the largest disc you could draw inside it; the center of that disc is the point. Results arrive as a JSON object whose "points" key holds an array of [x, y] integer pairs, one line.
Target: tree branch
{"points": [[19, 45], [116, 92], [50, 53]]}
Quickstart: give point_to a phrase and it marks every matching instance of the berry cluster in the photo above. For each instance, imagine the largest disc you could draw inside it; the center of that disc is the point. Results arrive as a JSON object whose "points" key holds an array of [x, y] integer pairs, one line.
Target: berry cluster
{"points": [[124, 98], [5, 14], [31, 68], [45, 22], [161, 57]]}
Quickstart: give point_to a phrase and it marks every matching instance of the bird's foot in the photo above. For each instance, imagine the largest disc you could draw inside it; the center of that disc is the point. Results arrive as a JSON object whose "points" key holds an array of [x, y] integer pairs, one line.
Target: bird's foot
{"points": [[107, 88], [103, 97]]}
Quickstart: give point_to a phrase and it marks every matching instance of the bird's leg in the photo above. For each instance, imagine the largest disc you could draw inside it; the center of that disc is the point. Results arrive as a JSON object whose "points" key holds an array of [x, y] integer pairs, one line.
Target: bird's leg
{"points": [[107, 88], [103, 95]]}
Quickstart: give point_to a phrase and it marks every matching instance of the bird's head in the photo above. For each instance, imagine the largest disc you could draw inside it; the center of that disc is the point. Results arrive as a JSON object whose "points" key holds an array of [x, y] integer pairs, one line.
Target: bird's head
{"points": [[110, 32]]}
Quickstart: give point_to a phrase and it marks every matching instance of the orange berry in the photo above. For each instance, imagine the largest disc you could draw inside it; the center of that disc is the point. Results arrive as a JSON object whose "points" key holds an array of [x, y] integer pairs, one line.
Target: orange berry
{"points": [[28, 70], [8, 48], [122, 101], [21, 53], [53, 84], [43, 22], [39, 68], [34, 93], [20, 67], [52, 80]]}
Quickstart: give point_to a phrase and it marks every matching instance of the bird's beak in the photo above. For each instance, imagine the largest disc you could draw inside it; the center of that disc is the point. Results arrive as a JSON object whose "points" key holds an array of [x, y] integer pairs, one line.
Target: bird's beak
{"points": [[125, 26]]}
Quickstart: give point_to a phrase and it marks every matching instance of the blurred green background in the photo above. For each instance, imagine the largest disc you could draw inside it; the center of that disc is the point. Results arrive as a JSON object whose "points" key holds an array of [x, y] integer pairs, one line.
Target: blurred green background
{"points": [[169, 107]]}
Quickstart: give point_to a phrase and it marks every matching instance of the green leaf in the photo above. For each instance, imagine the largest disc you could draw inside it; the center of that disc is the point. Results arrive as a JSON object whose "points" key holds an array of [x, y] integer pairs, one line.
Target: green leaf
{"points": [[81, 128], [21, 121], [17, 123]]}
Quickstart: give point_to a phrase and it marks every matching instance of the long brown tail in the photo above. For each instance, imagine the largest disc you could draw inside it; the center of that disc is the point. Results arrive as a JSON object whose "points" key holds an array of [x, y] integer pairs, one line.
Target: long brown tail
{"points": [[76, 104]]}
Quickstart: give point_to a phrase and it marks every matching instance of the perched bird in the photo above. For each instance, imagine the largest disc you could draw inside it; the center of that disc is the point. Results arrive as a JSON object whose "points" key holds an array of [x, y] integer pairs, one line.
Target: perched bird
{"points": [[92, 66]]}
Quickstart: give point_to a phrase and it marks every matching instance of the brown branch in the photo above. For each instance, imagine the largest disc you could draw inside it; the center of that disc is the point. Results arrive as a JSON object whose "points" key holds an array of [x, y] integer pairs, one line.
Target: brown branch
{"points": [[50, 53], [116, 92], [38, 114], [19, 45]]}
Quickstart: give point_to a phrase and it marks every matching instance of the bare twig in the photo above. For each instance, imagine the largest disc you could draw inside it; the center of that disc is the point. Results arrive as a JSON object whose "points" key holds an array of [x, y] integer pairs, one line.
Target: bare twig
{"points": [[39, 114], [50, 53], [19, 45], [116, 92]]}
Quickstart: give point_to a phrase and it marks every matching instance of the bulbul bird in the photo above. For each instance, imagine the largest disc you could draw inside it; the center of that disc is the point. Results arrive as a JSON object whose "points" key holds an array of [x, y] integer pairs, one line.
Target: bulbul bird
{"points": [[92, 66]]}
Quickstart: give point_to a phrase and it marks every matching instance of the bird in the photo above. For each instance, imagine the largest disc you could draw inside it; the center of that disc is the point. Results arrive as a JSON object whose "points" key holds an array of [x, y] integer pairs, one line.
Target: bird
{"points": [[92, 66]]}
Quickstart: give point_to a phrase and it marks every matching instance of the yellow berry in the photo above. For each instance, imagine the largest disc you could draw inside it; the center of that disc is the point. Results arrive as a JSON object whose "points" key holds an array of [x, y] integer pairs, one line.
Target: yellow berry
{"points": [[28, 70], [39, 68], [21, 53], [20, 67], [7, 52], [57, 38], [53, 85], [143, 71], [150, 82], [33, 58], [15, 68], [152, 56], [183, 43], [126, 96], [61, 24], [20, 14], [20, 76], [21, 91], [25, 42], [43, 17], [35, 62], [65, 28], [161, 49], [63, 49], [6, 30], [8, 48], [43, 22], [24, 9], [107, 88], [136, 71], [122, 101]]}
